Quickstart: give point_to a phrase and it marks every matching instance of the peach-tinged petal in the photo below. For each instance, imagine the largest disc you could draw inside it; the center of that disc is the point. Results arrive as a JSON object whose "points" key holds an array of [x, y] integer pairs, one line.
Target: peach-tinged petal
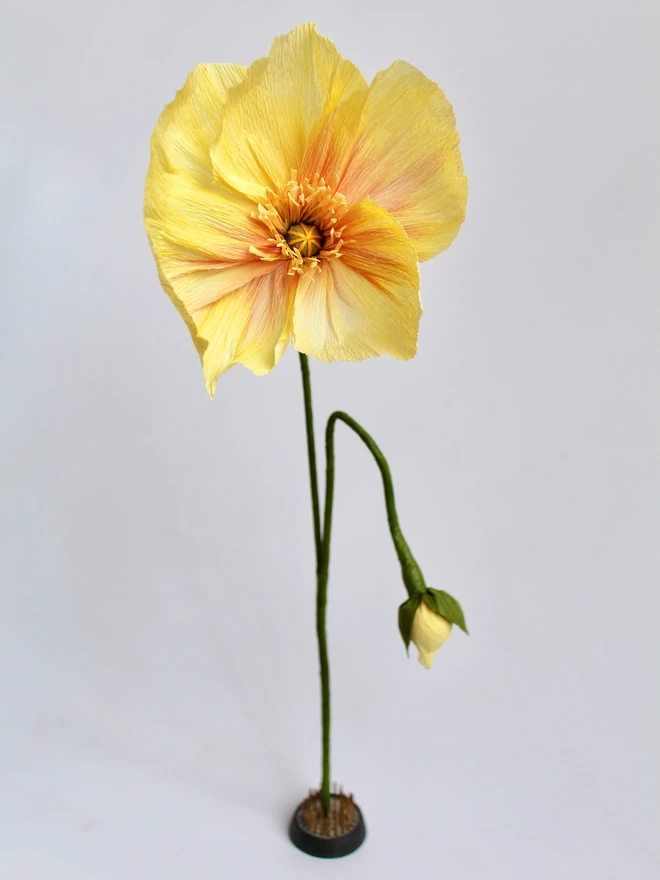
{"points": [[208, 220], [332, 138], [407, 159], [248, 326], [200, 236], [268, 329], [198, 284], [365, 303], [268, 117], [200, 231]]}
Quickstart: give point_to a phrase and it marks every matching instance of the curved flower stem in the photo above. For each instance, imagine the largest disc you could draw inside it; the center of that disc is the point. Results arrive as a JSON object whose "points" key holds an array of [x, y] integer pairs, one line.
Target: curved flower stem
{"points": [[412, 575]]}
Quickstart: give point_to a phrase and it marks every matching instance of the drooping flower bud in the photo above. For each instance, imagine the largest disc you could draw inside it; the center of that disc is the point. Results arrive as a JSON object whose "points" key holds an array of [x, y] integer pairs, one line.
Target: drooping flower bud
{"points": [[426, 619], [429, 632]]}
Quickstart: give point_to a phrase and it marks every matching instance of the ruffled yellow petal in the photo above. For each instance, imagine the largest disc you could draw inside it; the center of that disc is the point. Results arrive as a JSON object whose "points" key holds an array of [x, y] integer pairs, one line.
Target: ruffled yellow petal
{"points": [[190, 124], [210, 221], [250, 326], [332, 138], [406, 157], [197, 284], [200, 230], [199, 239], [365, 303], [268, 118]]}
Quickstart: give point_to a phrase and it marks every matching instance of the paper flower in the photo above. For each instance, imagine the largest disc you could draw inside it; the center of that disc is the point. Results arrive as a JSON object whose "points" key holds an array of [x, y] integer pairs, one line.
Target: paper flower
{"points": [[292, 201], [429, 632]]}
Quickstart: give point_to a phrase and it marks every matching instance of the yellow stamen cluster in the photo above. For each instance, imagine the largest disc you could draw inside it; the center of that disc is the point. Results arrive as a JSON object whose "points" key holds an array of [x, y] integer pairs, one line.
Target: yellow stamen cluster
{"points": [[302, 219]]}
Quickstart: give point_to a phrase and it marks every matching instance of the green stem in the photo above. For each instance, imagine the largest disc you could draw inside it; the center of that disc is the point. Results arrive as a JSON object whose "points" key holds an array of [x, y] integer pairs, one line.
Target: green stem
{"points": [[412, 575], [311, 454], [321, 587]]}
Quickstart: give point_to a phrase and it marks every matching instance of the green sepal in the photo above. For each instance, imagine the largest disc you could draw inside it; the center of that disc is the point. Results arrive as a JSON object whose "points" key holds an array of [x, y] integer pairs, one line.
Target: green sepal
{"points": [[443, 603], [407, 612]]}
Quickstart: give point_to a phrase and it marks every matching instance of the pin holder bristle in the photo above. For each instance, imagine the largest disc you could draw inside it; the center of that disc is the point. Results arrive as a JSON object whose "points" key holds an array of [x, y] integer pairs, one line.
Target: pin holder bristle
{"points": [[328, 834]]}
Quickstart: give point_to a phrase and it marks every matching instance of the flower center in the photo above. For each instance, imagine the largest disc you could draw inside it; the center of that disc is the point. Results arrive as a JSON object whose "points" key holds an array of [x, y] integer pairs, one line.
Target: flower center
{"points": [[307, 239], [301, 220]]}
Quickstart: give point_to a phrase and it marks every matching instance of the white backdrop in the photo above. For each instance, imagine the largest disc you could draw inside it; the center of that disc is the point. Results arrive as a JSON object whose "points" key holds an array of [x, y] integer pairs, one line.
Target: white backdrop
{"points": [[159, 713]]}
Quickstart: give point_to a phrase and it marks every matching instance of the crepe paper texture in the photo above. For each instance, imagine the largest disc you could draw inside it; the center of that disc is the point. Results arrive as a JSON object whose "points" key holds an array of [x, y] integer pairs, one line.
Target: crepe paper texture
{"points": [[244, 155]]}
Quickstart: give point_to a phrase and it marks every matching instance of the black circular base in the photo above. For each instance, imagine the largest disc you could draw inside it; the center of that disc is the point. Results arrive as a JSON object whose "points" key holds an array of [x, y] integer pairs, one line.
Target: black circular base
{"points": [[326, 847]]}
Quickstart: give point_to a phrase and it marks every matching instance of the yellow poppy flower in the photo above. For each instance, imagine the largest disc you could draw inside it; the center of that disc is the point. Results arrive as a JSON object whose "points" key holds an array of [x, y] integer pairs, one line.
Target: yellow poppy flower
{"points": [[289, 200]]}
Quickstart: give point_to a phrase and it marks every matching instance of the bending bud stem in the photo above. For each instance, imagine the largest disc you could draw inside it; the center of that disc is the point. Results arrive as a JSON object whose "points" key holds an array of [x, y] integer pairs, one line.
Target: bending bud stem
{"points": [[413, 578]]}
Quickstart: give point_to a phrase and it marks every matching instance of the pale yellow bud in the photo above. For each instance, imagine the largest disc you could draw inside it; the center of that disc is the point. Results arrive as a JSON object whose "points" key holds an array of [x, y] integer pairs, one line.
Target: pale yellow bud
{"points": [[429, 631]]}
